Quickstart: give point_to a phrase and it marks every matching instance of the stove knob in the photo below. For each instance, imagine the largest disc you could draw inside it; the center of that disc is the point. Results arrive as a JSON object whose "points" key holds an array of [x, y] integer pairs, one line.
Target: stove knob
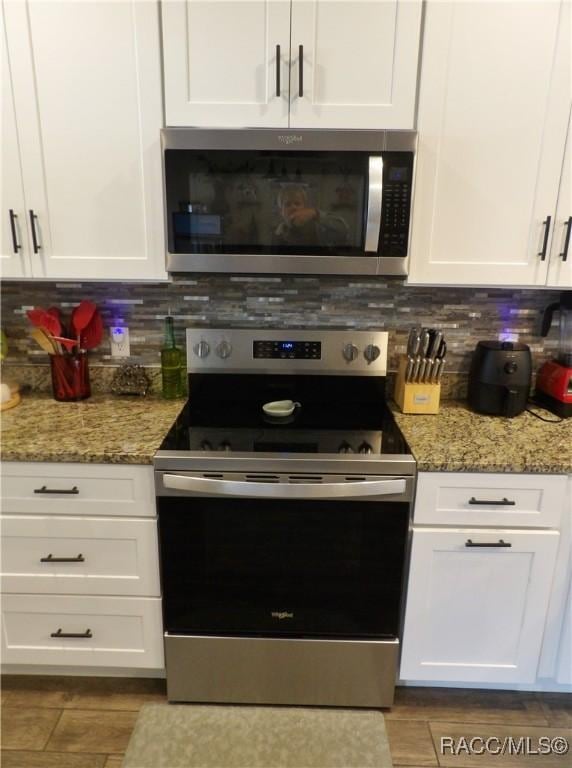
{"points": [[202, 349], [224, 446], [365, 448], [224, 349], [350, 352], [371, 353], [206, 446], [345, 448]]}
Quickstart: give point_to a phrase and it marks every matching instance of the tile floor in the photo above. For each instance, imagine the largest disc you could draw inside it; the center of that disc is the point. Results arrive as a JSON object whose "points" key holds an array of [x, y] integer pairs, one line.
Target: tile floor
{"points": [[67, 722]]}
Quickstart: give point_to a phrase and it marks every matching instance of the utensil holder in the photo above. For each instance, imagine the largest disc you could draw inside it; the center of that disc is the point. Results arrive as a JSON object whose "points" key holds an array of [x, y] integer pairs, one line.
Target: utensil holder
{"points": [[70, 377], [413, 397]]}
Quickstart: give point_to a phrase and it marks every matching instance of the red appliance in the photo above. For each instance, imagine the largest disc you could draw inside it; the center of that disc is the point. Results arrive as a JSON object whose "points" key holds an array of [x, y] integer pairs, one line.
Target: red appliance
{"points": [[554, 379]]}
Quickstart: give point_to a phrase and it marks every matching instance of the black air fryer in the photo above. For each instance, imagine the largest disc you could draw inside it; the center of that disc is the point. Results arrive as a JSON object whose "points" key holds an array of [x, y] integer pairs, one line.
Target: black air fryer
{"points": [[500, 378]]}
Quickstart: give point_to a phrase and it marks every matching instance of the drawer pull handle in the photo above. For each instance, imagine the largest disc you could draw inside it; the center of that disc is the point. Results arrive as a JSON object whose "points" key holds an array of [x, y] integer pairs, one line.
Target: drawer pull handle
{"points": [[563, 255], [502, 503], [45, 489], [499, 543], [51, 559], [278, 65], [33, 220], [17, 247], [546, 225], [59, 633]]}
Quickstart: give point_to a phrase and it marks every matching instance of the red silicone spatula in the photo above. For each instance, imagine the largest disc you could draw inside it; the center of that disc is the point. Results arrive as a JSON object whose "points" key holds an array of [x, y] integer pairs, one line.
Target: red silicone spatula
{"points": [[92, 334], [81, 317], [57, 316], [42, 319]]}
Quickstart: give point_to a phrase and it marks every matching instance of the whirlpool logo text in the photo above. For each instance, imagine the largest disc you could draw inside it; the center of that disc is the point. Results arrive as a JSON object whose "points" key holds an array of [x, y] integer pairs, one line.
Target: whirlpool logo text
{"points": [[290, 139]]}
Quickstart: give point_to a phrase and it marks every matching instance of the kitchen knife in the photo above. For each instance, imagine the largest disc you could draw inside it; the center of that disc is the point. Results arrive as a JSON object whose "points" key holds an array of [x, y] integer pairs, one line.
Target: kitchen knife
{"points": [[414, 342], [428, 371], [424, 342], [440, 371], [436, 338], [411, 341], [422, 367], [415, 371], [409, 368], [432, 378]]}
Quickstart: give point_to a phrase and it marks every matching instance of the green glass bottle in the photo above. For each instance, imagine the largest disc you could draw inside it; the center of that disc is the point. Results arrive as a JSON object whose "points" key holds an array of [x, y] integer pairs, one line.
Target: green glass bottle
{"points": [[171, 363]]}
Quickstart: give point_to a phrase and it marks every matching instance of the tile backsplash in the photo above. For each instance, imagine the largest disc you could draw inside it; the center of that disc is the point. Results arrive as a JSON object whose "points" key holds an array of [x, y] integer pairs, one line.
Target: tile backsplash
{"points": [[466, 315]]}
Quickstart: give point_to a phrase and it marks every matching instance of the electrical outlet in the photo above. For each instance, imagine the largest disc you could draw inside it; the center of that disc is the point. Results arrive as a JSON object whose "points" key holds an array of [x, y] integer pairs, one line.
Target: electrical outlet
{"points": [[119, 337]]}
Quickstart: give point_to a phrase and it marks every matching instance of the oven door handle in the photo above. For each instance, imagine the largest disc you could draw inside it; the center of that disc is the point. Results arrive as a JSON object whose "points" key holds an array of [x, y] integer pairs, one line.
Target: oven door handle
{"points": [[374, 203], [347, 490]]}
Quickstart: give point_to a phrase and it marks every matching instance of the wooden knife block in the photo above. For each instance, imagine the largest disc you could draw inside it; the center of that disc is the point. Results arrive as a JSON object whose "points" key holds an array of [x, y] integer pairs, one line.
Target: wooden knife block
{"points": [[412, 397]]}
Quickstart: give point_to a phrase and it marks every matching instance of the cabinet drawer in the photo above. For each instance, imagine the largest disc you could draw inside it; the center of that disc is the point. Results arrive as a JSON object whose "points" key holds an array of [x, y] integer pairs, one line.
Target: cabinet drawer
{"points": [[78, 489], [123, 631], [451, 498], [79, 555]]}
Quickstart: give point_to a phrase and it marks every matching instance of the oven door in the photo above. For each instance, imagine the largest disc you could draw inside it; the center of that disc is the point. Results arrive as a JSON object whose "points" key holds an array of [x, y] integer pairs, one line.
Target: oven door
{"points": [[275, 556], [250, 202]]}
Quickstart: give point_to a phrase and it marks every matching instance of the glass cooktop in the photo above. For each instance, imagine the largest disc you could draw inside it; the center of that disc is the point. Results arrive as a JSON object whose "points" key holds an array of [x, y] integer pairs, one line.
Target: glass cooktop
{"points": [[334, 414]]}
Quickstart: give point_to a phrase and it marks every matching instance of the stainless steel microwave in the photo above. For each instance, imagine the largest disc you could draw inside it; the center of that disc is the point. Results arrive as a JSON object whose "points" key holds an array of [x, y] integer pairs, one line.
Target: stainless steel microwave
{"points": [[289, 202]]}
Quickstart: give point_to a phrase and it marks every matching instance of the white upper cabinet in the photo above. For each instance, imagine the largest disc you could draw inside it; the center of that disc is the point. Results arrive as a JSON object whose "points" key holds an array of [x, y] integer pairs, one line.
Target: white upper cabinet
{"points": [[494, 102], [226, 63], [15, 256], [237, 64], [86, 79], [354, 64], [560, 265]]}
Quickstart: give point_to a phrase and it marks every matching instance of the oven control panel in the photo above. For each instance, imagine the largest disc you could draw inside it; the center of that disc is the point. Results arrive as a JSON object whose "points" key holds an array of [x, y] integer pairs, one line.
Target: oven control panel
{"points": [[287, 350], [352, 353]]}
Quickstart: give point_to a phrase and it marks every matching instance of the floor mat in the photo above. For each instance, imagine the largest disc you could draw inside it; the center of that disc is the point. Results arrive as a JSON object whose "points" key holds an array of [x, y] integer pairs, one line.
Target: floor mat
{"points": [[216, 736]]}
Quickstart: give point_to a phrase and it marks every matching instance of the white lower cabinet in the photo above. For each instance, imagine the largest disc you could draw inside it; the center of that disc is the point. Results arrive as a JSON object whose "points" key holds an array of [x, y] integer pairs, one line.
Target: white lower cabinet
{"points": [[82, 631], [80, 567], [476, 604], [90, 555], [564, 664]]}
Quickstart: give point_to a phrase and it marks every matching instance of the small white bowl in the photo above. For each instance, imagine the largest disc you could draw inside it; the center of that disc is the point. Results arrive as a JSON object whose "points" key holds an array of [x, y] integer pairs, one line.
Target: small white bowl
{"points": [[280, 409]]}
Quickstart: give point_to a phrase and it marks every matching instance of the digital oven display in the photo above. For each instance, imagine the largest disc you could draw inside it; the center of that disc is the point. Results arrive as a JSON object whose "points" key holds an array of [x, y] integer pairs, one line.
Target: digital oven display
{"points": [[287, 350]]}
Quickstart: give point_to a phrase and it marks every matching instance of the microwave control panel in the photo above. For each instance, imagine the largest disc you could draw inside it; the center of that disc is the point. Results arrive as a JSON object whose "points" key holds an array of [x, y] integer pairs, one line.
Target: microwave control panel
{"points": [[396, 203]]}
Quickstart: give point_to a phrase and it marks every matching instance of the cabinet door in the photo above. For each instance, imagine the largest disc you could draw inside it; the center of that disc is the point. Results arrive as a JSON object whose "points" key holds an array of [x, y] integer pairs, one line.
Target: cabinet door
{"points": [[354, 63], [564, 665], [560, 269], [493, 109], [14, 258], [87, 89], [476, 614], [222, 64]]}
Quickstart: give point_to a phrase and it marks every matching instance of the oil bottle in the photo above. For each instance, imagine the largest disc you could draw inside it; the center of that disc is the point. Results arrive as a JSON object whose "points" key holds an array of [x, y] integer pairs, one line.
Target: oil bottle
{"points": [[171, 363]]}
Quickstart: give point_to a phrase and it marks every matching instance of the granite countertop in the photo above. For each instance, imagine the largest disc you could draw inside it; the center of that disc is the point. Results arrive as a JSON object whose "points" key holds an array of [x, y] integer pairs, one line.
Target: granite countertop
{"points": [[458, 440], [123, 430], [105, 429]]}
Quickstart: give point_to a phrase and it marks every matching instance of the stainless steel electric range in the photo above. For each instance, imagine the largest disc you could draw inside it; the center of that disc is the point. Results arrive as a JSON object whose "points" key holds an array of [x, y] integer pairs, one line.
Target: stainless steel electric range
{"points": [[283, 529]]}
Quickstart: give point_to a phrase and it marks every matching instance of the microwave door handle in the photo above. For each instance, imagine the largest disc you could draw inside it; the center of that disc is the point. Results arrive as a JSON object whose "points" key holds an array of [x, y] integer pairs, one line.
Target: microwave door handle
{"points": [[374, 203], [237, 488]]}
